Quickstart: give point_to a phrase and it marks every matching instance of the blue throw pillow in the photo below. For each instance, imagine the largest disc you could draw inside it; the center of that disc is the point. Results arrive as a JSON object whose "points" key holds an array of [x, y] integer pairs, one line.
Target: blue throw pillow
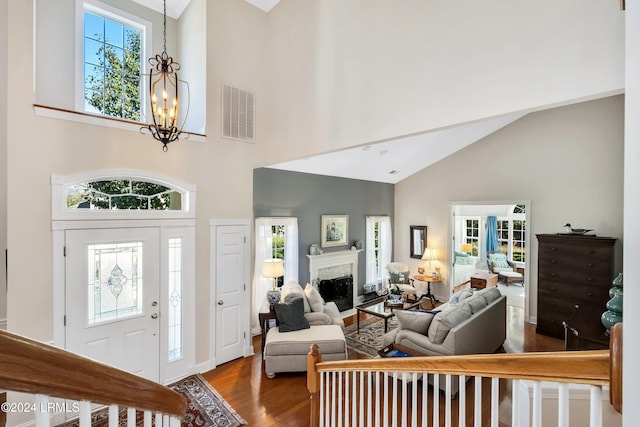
{"points": [[290, 315]]}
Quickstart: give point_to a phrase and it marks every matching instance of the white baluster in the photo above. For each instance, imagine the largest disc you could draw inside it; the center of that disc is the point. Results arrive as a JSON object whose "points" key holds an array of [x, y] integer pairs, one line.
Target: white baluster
{"points": [[436, 399], [148, 418], [563, 405], [340, 399], [394, 399], [495, 399], [158, 419], [321, 397], [385, 414], [378, 400], [333, 399], [165, 420], [462, 400], [131, 417], [347, 398], [403, 408], [361, 398], [175, 422], [447, 401], [515, 403], [596, 406], [477, 404], [369, 401], [113, 415], [41, 411], [414, 399], [537, 404], [355, 401], [425, 394], [85, 413]]}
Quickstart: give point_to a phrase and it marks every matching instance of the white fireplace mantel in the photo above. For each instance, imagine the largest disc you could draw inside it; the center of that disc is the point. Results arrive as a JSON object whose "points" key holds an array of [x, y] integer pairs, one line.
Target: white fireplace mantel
{"points": [[334, 259]]}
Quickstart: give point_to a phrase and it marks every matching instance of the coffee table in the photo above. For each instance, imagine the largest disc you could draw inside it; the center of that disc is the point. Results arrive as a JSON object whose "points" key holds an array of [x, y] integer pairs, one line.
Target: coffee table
{"points": [[378, 307]]}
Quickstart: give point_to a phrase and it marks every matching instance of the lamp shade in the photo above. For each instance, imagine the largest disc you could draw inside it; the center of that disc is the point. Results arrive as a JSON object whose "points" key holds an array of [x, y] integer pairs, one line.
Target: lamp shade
{"points": [[429, 254], [273, 268], [465, 247]]}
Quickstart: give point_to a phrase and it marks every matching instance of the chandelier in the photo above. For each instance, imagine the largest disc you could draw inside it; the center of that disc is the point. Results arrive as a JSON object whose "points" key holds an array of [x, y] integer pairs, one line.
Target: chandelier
{"points": [[163, 95]]}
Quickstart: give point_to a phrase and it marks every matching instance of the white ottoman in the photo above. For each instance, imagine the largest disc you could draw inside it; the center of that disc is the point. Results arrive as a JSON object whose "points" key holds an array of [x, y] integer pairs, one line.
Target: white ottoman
{"points": [[287, 351], [511, 277]]}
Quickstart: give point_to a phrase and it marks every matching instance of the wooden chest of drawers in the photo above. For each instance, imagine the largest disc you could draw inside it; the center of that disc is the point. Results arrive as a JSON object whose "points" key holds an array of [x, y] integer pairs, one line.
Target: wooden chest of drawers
{"points": [[574, 277]]}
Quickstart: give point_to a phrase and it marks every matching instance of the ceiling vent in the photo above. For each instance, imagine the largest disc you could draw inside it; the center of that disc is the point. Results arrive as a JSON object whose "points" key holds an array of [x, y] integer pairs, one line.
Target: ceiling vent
{"points": [[238, 114]]}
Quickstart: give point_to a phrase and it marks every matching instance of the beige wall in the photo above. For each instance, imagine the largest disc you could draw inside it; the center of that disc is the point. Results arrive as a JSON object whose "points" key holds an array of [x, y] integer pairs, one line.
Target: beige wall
{"points": [[344, 73], [40, 147], [568, 162], [3, 157]]}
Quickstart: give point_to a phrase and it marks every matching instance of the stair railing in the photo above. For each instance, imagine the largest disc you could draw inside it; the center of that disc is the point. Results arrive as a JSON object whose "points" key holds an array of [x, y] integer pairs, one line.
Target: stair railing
{"points": [[387, 391], [46, 371]]}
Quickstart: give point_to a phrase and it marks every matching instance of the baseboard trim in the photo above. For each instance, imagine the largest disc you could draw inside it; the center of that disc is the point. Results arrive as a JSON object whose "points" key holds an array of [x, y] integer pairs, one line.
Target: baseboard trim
{"points": [[3, 324]]}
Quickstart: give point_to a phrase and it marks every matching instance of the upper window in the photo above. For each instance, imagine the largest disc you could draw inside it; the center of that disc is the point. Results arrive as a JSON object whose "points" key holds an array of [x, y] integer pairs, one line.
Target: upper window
{"points": [[123, 194], [112, 64], [472, 235]]}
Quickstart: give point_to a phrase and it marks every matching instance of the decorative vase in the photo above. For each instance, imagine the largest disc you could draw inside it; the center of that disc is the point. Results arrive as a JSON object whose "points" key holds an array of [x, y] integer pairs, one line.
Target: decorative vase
{"points": [[613, 314]]}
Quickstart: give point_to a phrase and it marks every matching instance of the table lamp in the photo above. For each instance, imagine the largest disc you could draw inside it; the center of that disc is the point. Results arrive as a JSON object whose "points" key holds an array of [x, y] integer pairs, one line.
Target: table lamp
{"points": [[429, 255], [466, 247], [273, 268]]}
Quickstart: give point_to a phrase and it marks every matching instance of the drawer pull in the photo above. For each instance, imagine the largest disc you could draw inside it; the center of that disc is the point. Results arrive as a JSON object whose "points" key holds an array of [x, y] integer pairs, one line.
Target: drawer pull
{"points": [[553, 274], [553, 261], [553, 249], [577, 307], [553, 288], [589, 279], [589, 294], [590, 265]]}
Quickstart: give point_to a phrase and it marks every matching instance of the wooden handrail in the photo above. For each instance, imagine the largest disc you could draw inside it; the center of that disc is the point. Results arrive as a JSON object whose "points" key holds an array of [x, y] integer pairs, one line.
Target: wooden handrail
{"points": [[33, 367], [615, 347], [582, 367]]}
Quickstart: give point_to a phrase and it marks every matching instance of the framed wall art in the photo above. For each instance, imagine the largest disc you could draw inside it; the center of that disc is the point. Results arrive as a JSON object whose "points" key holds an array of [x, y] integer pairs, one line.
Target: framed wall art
{"points": [[334, 230]]}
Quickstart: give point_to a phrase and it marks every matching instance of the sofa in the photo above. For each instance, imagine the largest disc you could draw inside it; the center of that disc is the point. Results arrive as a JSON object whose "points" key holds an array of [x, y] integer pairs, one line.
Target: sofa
{"points": [[472, 322]]}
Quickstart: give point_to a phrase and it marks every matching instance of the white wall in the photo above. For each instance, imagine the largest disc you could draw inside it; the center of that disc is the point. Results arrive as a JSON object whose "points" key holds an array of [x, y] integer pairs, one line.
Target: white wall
{"points": [[568, 162], [631, 351], [3, 160], [192, 28], [38, 147], [348, 73]]}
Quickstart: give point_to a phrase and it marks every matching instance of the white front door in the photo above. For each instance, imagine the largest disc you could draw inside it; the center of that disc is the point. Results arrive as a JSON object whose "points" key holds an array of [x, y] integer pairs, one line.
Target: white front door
{"points": [[231, 292], [112, 297]]}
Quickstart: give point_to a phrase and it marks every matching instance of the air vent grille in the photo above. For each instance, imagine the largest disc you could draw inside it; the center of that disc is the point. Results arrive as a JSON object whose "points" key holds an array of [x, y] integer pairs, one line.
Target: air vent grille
{"points": [[238, 114]]}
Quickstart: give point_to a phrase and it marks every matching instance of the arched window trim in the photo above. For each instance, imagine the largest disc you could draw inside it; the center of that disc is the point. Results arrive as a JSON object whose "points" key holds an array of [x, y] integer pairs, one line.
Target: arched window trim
{"points": [[59, 184]]}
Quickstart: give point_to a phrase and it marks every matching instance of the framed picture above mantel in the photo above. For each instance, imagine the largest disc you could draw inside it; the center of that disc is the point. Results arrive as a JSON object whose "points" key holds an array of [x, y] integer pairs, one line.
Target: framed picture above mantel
{"points": [[334, 230]]}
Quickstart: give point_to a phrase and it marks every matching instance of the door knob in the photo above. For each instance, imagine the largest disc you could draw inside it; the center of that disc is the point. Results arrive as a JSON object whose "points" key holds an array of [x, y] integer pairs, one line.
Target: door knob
{"points": [[154, 316], [154, 303], [220, 302]]}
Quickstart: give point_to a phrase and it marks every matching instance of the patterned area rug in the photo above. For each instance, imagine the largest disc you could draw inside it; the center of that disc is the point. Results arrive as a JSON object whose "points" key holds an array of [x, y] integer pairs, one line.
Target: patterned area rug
{"points": [[206, 408], [369, 340]]}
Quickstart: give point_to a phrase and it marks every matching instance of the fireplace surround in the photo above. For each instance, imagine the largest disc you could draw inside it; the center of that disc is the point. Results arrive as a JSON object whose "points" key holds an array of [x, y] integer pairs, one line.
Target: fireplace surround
{"points": [[340, 267]]}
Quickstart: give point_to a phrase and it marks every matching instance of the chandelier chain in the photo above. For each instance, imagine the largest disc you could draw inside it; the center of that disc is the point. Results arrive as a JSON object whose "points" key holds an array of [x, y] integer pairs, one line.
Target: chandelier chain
{"points": [[164, 23]]}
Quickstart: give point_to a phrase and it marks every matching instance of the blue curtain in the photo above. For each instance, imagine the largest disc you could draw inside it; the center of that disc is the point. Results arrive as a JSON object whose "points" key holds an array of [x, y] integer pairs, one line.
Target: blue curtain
{"points": [[492, 234]]}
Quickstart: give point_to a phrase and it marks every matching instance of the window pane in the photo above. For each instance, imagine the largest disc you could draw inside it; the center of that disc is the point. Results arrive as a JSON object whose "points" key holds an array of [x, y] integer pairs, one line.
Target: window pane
{"points": [[122, 194], [114, 281], [175, 299], [93, 52], [113, 33], [93, 26]]}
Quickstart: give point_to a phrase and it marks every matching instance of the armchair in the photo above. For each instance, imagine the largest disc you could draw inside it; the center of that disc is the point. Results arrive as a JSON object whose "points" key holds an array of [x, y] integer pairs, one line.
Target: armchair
{"points": [[399, 276], [505, 268]]}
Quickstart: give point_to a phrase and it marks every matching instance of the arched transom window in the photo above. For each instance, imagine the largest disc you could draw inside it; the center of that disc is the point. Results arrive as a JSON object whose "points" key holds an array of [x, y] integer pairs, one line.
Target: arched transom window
{"points": [[123, 194]]}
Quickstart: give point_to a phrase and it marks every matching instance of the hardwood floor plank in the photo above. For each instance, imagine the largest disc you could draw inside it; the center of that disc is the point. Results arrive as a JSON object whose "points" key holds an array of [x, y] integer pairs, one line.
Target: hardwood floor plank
{"points": [[284, 400]]}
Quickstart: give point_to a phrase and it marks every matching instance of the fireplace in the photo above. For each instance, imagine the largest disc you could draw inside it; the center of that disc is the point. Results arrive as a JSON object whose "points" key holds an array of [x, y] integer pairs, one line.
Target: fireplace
{"points": [[338, 273], [339, 290]]}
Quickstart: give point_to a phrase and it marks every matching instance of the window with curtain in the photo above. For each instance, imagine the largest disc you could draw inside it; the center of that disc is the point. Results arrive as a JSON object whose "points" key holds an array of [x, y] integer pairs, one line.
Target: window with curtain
{"points": [[378, 247], [275, 238]]}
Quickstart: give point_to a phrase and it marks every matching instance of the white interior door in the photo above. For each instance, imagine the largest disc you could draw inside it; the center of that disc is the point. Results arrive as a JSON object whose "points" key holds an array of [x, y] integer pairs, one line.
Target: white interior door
{"points": [[231, 292], [112, 297]]}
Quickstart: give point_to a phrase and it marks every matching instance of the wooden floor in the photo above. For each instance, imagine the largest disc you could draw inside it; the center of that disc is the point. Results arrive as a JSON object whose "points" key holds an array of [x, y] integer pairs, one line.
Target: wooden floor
{"points": [[284, 400]]}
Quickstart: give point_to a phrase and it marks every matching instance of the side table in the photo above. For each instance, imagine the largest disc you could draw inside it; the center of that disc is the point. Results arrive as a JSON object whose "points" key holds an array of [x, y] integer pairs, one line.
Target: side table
{"points": [[264, 319], [429, 280]]}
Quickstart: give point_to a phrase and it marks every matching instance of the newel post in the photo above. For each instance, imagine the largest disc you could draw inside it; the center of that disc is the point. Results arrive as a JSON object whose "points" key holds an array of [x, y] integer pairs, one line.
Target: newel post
{"points": [[615, 367], [313, 384]]}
